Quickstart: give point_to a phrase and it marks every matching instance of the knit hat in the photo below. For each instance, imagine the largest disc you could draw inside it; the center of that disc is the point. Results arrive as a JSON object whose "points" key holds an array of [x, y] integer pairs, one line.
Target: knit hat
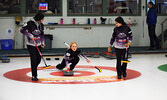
{"points": [[38, 16], [120, 20]]}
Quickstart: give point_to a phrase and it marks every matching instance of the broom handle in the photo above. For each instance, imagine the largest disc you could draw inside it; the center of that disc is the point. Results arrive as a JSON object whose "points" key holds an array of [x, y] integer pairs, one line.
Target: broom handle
{"points": [[39, 52]]}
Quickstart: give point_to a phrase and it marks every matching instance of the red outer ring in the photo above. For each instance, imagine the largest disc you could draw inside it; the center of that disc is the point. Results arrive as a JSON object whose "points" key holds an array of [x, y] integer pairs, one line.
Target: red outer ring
{"points": [[21, 75]]}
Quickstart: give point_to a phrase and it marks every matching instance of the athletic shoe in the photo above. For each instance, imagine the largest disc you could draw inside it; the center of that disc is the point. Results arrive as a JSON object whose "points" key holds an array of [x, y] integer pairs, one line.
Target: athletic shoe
{"points": [[124, 74], [119, 77], [34, 78]]}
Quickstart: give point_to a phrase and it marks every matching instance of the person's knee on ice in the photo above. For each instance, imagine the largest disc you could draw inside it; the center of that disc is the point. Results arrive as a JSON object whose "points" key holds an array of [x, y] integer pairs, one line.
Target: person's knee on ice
{"points": [[74, 62], [62, 65]]}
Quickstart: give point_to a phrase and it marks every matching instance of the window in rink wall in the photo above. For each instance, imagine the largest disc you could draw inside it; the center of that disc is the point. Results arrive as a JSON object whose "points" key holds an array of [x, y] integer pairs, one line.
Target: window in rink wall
{"points": [[123, 6], [104, 7], [46, 6], [85, 7], [9, 7], [160, 6]]}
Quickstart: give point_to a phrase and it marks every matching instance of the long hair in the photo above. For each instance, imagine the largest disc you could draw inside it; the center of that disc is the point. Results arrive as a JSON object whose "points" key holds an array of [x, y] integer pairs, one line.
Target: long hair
{"points": [[120, 20], [73, 43]]}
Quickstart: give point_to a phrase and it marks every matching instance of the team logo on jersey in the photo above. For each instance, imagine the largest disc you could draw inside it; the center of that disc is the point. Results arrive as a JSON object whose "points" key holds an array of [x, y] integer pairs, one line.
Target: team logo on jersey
{"points": [[121, 35], [82, 75], [36, 32]]}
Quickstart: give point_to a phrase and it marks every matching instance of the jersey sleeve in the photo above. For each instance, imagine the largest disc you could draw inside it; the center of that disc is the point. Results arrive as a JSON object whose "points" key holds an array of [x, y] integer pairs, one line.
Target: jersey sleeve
{"points": [[83, 56], [129, 34], [66, 57], [24, 30], [113, 38]]}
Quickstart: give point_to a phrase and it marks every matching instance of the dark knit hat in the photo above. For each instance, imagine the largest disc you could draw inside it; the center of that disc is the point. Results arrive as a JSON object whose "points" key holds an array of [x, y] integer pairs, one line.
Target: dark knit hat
{"points": [[38, 16], [120, 20]]}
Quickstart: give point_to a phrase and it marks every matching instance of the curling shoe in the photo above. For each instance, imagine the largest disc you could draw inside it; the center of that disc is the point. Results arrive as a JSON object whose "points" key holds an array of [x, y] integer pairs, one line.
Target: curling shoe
{"points": [[119, 77], [124, 74], [34, 78]]}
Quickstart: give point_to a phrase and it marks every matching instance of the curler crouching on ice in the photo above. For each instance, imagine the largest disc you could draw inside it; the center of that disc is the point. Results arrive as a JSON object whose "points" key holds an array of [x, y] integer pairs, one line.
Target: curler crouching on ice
{"points": [[71, 56]]}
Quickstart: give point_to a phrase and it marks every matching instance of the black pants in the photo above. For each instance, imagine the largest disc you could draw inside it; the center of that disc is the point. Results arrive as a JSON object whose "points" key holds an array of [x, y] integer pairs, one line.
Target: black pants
{"points": [[120, 55], [35, 58], [153, 38], [73, 62]]}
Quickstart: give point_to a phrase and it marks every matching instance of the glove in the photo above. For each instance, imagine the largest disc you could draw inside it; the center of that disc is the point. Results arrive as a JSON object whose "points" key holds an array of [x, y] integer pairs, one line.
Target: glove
{"points": [[88, 60], [42, 45], [109, 49], [33, 38], [127, 44]]}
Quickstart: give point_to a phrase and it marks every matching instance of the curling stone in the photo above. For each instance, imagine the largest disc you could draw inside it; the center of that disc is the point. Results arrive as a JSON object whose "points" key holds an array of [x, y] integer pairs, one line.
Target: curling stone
{"points": [[88, 54], [110, 55], [107, 55], [5, 60], [103, 53], [67, 73], [96, 55]]}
